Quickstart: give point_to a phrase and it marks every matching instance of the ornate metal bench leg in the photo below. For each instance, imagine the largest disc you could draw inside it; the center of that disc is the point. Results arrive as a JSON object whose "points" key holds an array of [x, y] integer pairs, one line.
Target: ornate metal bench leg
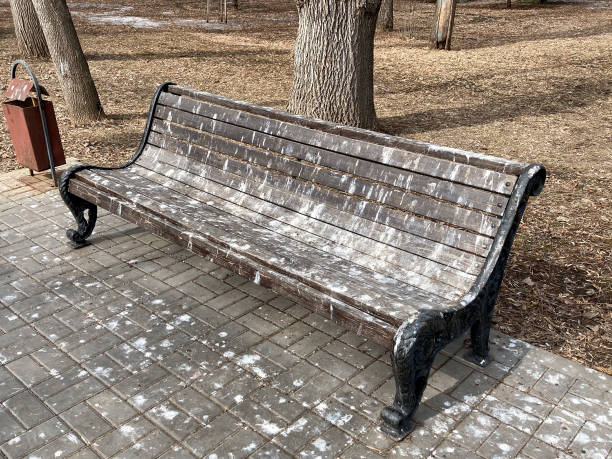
{"points": [[78, 207], [414, 348], [480, 342]]}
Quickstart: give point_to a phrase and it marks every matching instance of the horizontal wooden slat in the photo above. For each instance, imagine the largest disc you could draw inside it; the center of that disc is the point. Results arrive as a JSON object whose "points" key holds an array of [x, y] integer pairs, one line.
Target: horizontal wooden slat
{"points": [[423, 164], [423, 248], [354, 319], [275, 219], [328, 274]]}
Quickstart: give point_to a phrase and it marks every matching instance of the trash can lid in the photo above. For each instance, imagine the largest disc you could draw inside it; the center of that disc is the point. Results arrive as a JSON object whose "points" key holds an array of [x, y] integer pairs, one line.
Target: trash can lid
{"points": [[19, 89]]}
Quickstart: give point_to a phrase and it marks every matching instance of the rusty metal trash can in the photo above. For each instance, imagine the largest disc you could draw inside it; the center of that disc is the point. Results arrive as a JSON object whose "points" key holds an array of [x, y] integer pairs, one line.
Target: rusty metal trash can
{"points": [[32, 124]]}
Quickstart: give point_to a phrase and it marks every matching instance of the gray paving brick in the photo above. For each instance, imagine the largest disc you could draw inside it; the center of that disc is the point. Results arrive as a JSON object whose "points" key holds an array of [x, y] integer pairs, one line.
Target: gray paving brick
{"points": [[309, 343], [74, 394], [156, 392], [61, 446], [86, 422], [9, 427], [359, 451], [293, 333], [422, 442], [333, 365], [316, 390], [537, 449], [196, 405], [445, 404], [259, 418], [552, 386], [172, 420], [150, 446], [527, 402], [177, 452], [53, 359], [474, 430], [270, 451], [331, 444], [257, 324], [121, 438], [277, 354], [559, 428], [28, 371], [592, 441], [241, 444], [35, 438], [28, 409], [372, 377], [301, 432], [111, 407], [510, 415], [211, 435], [275, 400], [450, 450], [587, 410], [343, 417], [506, 441], [236, 391]]}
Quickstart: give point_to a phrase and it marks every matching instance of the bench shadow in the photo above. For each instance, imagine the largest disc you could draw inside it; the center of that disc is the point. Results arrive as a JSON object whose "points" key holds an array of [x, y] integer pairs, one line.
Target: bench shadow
{"points": [[564, 97], [169, 54]]}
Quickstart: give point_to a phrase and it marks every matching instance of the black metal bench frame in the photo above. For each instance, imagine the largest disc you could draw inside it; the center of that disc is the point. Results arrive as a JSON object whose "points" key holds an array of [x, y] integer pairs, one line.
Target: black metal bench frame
{"points": [[417, 342]]}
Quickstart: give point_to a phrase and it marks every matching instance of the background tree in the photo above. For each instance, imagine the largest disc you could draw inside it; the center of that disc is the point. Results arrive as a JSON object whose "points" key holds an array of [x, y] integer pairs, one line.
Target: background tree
{"points": [[30, 38], [71, 66], [444, 19], [333, 74], [385, 15]]}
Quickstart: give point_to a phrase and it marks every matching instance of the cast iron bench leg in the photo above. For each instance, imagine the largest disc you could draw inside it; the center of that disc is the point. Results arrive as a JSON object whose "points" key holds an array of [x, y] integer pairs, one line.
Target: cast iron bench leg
{"points": [[78, 207], [414, 347]]}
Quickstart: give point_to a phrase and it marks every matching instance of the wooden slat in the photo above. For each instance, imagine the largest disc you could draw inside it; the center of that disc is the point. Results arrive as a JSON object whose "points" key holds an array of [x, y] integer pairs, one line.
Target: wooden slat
{"points": [[284, 155], [353, 189], [450, 154], [354, 319], [423, 248], [317, 269], [434, 167], [396, 258], [192, 187]]}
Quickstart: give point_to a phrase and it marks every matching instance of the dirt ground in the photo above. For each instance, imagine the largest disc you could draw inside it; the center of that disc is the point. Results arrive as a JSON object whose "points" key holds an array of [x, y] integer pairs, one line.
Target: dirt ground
{"points": [[531, 83]]}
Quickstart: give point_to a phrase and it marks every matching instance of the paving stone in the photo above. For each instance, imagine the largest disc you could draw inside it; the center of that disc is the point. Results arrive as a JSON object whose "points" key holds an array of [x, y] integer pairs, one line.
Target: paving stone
{"points": [[148, 447], [592, 394], [552, 386], [155, 393], [449, 376], [343, 417], [300, 432], [294, 378], [277, 354], [270, 451], [106, 369], [436, 422], [358, 401], [53, 359], [506, 441], [124, 436], [386, 392], [28, 371], [474, 430], [559, 428], [445, 404], [20, 445], [359, 451], [9, 427], [197, 405], [111, 407], [143, 379], [236, 391], [61, 446], [592, 441], [177, 452], [211, 435], [372, 377], [450, 450], [527, 402], [587, 410], [473, 388], [28, 409], [259, 418], [74, 394], [332, 365], [419, 444], [172, 420], [275, 400], [84, 420], [316, 390], [330, 444], [239, 445], [509, 414], [293, 333], [309, 343]]}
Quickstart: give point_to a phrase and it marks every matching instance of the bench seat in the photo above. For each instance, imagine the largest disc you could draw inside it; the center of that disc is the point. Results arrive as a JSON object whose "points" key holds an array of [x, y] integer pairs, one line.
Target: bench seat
{"points": [[400, 241]]}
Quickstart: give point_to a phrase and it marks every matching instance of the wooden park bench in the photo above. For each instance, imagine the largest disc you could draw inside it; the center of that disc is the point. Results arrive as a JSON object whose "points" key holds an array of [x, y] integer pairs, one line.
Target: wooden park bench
{"points": [[400, 241]]}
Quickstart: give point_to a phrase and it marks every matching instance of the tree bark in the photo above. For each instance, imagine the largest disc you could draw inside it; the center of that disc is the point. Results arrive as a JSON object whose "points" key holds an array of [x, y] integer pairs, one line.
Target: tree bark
{"points": [[333, 76], [444, 19], [385, 15], [71, 66], [30, 38]]}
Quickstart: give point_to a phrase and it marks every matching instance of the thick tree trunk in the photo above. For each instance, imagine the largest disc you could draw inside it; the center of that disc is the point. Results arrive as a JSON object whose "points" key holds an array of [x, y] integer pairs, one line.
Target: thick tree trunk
{"points": [[334, 61], [71, 66], [30, 38], [444, 19], [385, 15]]}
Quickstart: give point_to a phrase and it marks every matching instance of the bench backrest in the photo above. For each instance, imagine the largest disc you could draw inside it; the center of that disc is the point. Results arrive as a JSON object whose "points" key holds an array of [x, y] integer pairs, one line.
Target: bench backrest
{"points": [[442, 206]]}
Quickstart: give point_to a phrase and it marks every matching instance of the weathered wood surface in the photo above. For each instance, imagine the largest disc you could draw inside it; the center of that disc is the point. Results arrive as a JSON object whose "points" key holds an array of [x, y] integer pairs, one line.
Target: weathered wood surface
{"points": [[372, 227], [511, 168]]}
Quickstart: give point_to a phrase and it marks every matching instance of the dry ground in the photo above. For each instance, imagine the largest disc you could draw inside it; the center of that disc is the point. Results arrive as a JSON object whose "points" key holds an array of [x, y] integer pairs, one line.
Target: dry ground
{"points": [[531, 83]]}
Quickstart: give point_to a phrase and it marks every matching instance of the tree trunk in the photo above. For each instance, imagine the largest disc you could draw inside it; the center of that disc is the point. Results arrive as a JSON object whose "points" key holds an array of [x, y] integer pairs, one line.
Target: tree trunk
{"points": [[334, 61], [30, 38], [71, 66], [444, 19], [385, 15]]}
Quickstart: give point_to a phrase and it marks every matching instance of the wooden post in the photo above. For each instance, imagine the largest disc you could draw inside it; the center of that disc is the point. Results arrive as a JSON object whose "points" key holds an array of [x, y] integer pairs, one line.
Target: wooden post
{"points": [[444, 19], [207, 10]]}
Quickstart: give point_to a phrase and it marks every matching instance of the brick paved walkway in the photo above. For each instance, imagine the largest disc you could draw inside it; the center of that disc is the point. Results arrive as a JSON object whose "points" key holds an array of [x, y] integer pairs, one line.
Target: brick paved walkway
{"points": [[136, 348]]}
